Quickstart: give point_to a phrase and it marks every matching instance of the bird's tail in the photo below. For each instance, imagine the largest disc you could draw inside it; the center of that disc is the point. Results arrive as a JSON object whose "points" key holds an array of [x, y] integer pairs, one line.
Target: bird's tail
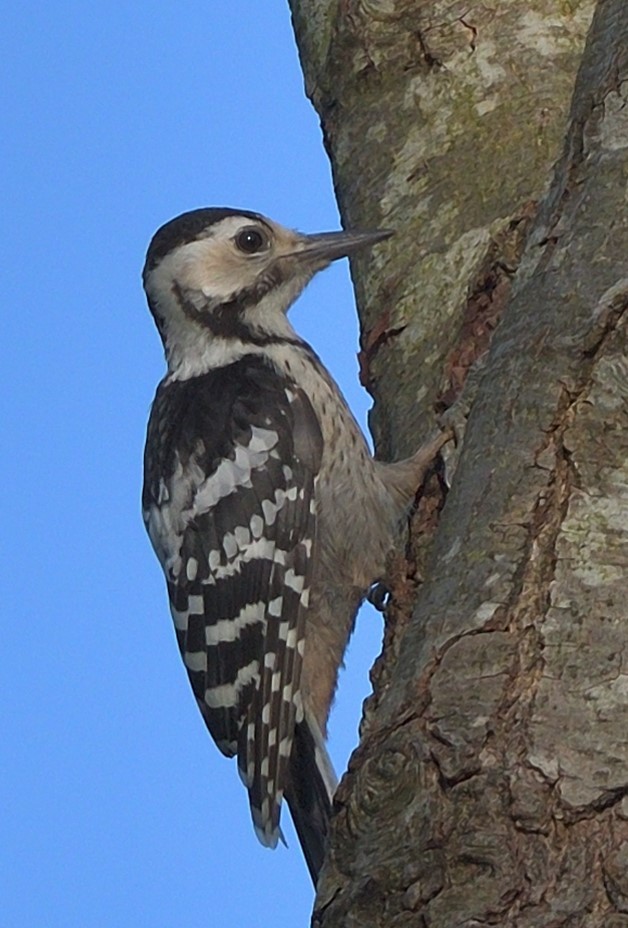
{"points": [[309, 793]]}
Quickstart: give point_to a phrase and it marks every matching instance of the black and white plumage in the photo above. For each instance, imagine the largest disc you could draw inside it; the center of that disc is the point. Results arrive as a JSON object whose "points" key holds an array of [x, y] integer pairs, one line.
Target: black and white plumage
{"points": [[268, 514]]}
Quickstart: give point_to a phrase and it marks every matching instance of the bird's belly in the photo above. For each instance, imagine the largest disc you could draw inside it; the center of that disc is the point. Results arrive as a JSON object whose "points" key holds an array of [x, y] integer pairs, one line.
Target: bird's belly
{"points": [[355, 528]]}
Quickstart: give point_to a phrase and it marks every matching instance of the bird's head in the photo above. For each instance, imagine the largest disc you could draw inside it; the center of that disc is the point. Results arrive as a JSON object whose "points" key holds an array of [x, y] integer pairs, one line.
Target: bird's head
{"points": [[232, 274]]}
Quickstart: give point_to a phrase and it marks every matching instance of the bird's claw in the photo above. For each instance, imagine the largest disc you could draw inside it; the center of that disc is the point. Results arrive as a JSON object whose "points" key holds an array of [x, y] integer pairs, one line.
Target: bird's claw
{"points": [[379, 596]]}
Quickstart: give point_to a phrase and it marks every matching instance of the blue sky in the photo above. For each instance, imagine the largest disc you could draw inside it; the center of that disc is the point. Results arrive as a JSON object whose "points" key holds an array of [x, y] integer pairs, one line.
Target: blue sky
{"points": [[117, 809]]}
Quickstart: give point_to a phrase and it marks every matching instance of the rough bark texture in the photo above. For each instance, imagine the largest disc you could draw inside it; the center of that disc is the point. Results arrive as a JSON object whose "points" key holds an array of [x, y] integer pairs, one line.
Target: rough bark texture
{"points": [[491, 787], [441, 119]]}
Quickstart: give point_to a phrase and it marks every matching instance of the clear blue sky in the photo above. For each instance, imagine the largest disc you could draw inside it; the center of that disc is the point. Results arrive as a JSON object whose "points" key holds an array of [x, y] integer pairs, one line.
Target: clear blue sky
{"points": [[117, 809]]}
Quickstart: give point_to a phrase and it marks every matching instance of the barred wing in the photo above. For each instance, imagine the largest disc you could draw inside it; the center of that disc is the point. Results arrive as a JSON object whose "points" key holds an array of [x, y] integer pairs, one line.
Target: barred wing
{"points": [[230, 472]]}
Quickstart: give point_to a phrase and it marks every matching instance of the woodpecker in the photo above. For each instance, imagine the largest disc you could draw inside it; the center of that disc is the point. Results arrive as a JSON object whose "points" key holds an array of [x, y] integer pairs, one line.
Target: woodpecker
{"points": [[267, 512]]}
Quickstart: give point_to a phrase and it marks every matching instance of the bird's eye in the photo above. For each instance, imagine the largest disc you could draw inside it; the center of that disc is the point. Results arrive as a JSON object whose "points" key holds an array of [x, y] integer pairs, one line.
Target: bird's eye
{"points": [[251, 240]]}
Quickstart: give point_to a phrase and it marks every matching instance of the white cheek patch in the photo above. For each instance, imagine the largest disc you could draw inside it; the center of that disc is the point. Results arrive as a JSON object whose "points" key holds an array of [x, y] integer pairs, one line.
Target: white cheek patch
{"points": [[214, 266]]}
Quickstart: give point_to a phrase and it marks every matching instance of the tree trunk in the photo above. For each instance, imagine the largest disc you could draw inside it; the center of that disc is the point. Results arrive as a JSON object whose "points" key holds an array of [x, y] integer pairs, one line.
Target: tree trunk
{"points": [[491, 783]]}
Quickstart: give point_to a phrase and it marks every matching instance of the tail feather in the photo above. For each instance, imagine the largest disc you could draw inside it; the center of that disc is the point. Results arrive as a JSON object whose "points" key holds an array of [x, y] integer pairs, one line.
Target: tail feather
{"points": [[309, 793]]}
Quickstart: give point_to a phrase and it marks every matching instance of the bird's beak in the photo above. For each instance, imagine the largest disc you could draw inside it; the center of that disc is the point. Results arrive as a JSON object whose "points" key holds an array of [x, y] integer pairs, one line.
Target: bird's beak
{"points": [[325, 247]]}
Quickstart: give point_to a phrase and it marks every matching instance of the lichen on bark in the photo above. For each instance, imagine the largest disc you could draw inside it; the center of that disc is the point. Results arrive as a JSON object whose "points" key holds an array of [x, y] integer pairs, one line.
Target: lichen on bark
{"points": [[441, 122]]}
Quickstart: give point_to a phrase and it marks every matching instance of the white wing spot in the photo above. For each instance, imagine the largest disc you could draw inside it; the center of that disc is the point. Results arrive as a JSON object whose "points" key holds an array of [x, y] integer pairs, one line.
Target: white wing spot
{"points": [[229, 629], [259, 548], [265, 810], [225, 696], [242, 536], [196, 660], [230, 545], [298, 704], [228, 476], [257, 526], [294, 581], [262, 439], [270, 511], [191, 568], [196, 606]]}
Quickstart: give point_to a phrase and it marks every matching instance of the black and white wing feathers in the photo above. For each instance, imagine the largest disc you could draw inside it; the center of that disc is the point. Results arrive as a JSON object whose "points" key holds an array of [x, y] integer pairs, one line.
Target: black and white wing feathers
{"points": [[229, 501]]}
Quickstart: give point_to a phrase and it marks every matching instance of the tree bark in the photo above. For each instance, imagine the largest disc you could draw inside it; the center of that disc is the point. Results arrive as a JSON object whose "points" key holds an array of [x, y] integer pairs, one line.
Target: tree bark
{"points": [[491, 784]]}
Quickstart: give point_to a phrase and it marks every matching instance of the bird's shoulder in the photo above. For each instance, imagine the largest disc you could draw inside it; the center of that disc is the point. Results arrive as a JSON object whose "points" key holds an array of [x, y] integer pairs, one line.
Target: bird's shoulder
{"points": [[200, 422]]}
